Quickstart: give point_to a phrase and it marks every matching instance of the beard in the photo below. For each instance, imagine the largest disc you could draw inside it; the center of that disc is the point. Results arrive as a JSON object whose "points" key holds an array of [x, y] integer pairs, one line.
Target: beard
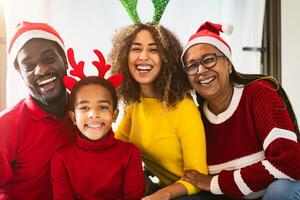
{"points": [[51, 97]]}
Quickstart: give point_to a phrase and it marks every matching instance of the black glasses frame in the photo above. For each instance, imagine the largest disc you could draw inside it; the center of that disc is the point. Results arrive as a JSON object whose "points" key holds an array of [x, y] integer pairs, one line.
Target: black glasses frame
{"points": [[193, 67]]}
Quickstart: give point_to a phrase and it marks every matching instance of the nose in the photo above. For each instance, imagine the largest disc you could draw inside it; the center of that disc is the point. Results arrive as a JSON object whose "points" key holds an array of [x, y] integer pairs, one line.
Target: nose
{"points": [[201, 68], [143, 55], [93, 113], [41, 69]]}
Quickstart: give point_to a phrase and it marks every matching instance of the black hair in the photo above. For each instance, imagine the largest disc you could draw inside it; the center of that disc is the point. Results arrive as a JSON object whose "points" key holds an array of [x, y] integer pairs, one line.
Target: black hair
{"points": [[93, 80]]}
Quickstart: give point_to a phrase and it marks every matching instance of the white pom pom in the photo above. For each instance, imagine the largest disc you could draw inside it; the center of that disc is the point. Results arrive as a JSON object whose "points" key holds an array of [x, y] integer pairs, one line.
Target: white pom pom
{"points": [[227, 29]]}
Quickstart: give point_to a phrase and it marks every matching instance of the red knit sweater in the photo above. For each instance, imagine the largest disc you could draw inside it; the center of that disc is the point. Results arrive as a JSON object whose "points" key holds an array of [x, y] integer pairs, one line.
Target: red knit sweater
{"points": [[28, 138], [107, 169], [251, 143]]}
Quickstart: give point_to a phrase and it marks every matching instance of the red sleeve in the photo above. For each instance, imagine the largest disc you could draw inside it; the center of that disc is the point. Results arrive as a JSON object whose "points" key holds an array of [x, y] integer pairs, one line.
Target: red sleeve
{"points": [[60, 180], [8, 140], [133, 188], [275, 131]]}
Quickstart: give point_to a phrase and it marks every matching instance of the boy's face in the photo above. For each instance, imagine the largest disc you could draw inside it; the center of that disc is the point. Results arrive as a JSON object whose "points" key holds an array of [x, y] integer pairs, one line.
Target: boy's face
{"points": [[94, 112], [42, 68]]}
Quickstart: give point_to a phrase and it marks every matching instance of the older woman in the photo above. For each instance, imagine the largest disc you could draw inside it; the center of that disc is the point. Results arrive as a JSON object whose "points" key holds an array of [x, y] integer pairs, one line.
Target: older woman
{"points": [[251, 130]]}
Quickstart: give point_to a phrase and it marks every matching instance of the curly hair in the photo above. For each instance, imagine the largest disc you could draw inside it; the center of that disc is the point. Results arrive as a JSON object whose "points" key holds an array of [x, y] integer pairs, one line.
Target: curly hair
{"points": [[171, 85]]}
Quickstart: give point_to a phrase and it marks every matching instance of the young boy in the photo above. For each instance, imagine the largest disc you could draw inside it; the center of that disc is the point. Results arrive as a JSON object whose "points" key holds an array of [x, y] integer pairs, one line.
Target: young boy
{"points": [[96, 166]]}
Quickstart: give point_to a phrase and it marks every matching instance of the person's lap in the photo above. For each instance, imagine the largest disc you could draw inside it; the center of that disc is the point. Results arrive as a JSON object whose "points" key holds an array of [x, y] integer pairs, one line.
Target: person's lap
{"points": [[278, 190], [283, 190], [203, 196]]}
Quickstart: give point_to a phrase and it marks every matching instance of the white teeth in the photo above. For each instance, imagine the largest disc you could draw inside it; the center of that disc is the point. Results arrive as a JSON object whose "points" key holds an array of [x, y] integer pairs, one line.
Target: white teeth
{"points": [[97, 125], [144, 68], [47, 80], [206, 81]]}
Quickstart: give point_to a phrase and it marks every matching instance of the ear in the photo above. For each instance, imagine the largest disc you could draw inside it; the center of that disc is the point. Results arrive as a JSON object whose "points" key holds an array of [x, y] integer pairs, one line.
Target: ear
{"points": [[65, 62], [73, 117], [228, 63], [116, 113]]}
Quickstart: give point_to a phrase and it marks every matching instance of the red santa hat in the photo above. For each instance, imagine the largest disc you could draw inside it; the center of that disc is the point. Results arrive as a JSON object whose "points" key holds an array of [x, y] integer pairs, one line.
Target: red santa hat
{"points": [[26, 31], [209, 33]]}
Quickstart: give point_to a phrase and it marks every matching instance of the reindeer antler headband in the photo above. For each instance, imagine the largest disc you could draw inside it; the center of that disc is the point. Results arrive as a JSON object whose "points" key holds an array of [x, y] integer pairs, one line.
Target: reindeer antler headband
{"points": [[77, 70], [131, 8]]}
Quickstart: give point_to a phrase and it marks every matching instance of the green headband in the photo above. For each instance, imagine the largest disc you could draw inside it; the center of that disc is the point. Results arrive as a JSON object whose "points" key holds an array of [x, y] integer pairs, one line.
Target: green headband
{"points": [[131, 8]]}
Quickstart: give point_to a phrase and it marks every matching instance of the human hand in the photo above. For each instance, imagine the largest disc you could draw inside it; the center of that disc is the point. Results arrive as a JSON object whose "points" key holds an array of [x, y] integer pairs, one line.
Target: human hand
{"points": [[159, 195], [198, 179]]}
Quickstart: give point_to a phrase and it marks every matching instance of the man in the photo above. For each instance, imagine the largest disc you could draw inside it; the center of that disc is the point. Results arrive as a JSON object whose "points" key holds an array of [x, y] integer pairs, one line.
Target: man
{"points": [[32, 130]]}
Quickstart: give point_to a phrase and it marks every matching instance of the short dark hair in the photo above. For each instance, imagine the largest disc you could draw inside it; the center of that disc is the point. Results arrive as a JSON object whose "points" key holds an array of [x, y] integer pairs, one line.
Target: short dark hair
{"points": [[93, 80]]}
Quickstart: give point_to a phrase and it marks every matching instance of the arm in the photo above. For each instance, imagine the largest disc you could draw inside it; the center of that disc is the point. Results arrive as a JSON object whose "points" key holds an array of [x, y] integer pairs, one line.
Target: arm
{"points": [[280, 155], [60, 181], [190, 132], [133, 188], [192, 136], [169, 192], [8, 142]]}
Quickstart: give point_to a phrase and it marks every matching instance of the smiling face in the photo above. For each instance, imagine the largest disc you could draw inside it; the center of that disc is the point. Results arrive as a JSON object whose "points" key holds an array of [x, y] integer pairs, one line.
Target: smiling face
{"points": [[42, 68], [93, 111], [144, 60], [211, 83]]}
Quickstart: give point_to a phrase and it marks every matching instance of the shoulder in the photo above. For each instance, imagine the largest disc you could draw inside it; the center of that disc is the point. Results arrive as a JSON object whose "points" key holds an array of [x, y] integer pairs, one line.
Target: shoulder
{"points": [[260, 86], [263, 94], [187, 103], [126, 146], [65, 150], [12, 118], [14, 111]]}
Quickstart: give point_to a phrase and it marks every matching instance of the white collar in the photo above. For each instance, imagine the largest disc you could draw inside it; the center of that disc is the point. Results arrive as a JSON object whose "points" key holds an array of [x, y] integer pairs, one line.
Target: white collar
{"points": [[222, 117]]}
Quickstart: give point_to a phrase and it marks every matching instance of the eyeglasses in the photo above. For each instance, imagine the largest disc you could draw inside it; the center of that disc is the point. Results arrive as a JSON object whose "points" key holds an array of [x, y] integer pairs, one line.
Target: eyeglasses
{"points": [[208, 61]]}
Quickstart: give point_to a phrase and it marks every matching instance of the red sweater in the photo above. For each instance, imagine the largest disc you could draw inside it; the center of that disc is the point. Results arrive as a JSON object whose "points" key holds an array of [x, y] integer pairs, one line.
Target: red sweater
{"points": [[252, 143], [107, 169], [28, 138]]}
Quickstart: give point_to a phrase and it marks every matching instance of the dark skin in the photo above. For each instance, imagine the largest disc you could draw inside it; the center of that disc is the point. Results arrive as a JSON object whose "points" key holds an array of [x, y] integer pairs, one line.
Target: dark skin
{"points": [[201, 181], [42, 65]]}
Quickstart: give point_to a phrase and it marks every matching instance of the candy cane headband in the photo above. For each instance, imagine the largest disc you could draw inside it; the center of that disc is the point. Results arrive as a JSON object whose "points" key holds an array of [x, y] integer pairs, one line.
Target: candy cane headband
{"points": [[131, 8]]}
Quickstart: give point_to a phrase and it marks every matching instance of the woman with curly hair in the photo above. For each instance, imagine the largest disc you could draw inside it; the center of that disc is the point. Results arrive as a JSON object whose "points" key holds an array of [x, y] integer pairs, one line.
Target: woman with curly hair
{"points": [[160, 116]]}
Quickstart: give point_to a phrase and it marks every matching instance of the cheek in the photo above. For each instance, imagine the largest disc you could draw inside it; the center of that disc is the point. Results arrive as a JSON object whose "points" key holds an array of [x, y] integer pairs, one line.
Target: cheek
{"points": [[131, 58], [27, 77], [191, 79]]}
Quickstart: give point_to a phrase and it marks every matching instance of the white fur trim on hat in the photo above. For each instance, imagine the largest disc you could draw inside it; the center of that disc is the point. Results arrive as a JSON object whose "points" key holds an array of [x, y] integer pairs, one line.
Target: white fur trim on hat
{"points": [[28, 35], [227, 29], [208, 40]]}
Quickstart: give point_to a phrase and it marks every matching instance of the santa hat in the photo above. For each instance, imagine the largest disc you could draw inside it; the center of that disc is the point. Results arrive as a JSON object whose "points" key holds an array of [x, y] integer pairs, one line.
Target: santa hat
{"points": [[209, 33], [26, 31]]}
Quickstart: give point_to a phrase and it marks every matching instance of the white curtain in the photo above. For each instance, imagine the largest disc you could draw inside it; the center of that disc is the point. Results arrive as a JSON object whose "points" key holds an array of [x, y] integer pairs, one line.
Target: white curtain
{"points": [[247, 16], [89, 24]]}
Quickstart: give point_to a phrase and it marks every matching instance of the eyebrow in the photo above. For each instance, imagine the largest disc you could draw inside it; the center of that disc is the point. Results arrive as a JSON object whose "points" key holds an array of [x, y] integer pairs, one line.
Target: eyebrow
{"points": [[139, 44], [28, 58], [86, 101]]}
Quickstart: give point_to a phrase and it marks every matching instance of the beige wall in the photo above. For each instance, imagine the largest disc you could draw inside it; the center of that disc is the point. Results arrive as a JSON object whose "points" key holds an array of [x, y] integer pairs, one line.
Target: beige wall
{"points": [[2, 59], [290, 19]]}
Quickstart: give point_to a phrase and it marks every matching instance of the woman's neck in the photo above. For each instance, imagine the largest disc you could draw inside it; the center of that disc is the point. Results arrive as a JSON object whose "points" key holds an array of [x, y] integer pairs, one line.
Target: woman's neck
{"points": [[147, 91], [222, 102]]}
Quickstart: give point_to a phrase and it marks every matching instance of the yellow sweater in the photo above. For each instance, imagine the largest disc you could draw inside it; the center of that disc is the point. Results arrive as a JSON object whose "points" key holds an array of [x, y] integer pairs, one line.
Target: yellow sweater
{"points": [[170, 140]]}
